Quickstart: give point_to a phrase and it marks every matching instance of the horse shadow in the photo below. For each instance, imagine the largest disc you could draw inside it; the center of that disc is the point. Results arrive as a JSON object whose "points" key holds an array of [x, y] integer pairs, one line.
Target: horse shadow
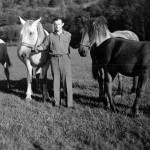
{"points": [[19, 87], [96, 102], [86, 100]]}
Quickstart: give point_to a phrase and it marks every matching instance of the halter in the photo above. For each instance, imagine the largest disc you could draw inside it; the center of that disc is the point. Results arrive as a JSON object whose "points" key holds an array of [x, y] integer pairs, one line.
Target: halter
{"points": [[88, 46], [28, 45], [85, 45]]}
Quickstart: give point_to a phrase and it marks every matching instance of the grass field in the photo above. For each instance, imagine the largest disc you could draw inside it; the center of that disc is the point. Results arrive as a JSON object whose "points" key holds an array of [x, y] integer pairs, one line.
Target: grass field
{"points": [[39, 126]]}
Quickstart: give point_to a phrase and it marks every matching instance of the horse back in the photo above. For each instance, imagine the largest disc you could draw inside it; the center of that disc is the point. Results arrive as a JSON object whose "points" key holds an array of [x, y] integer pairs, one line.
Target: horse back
{"points": [[119, 47], [127, 56]]}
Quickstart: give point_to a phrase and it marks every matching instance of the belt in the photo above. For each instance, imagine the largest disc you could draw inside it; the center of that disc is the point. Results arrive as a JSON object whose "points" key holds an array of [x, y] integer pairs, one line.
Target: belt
{"points": [[57, 55]]}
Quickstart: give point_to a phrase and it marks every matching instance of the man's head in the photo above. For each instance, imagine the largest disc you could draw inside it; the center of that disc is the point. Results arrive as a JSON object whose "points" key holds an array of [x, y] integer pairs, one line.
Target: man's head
{"points": [[58, 24]]}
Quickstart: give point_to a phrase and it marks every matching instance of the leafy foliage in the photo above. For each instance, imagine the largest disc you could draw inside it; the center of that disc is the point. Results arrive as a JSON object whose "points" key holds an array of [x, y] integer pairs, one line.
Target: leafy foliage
{"points": [[121, 15]]}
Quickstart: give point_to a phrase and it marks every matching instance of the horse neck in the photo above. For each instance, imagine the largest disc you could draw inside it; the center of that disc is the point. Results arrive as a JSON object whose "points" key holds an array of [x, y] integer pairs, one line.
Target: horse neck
{"points": [[41, 36]]}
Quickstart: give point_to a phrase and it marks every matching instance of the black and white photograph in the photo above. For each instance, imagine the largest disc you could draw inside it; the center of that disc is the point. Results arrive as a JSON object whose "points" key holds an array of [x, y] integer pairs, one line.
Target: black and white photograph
{"points": [[74, 74]]}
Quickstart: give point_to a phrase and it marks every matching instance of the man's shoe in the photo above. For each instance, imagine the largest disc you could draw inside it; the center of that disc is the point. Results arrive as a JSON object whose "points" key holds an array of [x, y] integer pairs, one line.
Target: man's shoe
{"points": [[55, 105], [71, 107]]}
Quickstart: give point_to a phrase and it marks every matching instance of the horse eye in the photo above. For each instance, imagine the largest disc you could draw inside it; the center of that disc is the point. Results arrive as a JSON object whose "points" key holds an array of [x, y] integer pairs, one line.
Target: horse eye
{"points": [[31, 33]]}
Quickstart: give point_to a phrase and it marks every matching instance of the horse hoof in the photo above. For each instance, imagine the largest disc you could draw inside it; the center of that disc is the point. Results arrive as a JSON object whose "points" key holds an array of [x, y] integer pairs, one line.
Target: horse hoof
{"points": [[133, 90], [113, 109], [9, 90], [28, 99], [135, 113], [47, 99]]}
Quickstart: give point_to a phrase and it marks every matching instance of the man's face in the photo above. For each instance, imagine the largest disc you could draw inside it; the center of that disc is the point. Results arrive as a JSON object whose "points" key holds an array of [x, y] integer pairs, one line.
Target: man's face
{"points": [[58, 24]]}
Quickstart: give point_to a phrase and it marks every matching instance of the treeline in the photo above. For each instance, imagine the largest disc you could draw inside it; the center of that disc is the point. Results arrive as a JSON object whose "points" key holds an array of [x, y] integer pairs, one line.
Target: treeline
{"points": [[40, 3], [121, 15]]}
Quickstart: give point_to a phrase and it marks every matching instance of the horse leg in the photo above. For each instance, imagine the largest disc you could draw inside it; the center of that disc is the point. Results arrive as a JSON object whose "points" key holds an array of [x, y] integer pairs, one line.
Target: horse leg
{"points": [[120, 86], [134, 86], [37, 74], [101, 83], [7, 75], [142, 81], [29, 81], [44, 81], [108, 89]]}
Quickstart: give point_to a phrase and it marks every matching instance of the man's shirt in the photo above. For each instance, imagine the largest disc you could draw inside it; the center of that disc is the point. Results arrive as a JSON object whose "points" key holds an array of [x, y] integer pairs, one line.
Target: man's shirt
{"points": [[57, 44]]}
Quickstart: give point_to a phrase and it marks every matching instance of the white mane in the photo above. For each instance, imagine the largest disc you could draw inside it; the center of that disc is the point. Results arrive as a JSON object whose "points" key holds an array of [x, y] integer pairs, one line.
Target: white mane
{"points": [[1, 41], [46, 32]]}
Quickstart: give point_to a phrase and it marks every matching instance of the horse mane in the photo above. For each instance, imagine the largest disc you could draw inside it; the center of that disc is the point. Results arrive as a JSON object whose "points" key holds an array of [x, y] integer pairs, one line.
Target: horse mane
{"points": [[41, 34], [96, 26], [100, 24]]}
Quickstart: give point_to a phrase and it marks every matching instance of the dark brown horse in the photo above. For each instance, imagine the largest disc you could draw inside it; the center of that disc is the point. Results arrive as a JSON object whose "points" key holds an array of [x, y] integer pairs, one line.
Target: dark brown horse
{"points": [[118, 55], [5, 61], [105, 34]]}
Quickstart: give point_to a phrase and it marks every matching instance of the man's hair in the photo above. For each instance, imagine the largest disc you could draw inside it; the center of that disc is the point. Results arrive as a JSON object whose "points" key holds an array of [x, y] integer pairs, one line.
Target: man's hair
{"points": [[58, 18]]}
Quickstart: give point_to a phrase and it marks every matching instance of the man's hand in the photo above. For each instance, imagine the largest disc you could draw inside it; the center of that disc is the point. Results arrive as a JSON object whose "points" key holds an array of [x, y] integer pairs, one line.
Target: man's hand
{"points": [[35, 49]]}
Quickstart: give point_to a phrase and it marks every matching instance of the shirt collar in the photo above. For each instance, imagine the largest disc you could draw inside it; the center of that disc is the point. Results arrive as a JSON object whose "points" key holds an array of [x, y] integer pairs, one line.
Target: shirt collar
{"points": [[63, 32]]}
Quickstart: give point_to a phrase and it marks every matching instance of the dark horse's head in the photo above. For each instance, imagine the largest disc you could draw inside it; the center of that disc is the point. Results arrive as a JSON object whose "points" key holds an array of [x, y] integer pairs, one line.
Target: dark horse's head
{"points": [[92, 32]]}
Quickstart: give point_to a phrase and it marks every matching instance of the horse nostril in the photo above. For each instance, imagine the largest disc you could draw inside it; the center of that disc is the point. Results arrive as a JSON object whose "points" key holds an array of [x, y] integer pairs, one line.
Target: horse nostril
{"points": [[23, 56]]}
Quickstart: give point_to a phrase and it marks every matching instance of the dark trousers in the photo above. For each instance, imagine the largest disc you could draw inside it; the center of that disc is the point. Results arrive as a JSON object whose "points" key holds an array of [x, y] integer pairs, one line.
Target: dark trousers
{"points": [[61, 72]]}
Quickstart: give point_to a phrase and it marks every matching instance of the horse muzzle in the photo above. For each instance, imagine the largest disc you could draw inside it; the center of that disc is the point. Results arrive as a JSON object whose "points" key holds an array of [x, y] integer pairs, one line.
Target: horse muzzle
{"points": [[83, 51], [24, 51]]}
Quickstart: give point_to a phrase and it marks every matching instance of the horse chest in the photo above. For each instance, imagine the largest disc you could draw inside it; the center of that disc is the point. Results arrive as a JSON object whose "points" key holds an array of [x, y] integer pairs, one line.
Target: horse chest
{"points": [[38, 59]]}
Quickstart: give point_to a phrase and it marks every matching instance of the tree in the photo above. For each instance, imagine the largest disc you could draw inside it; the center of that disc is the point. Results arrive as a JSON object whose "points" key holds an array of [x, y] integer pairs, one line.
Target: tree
{"points": [[94, 10], [55, 3]]}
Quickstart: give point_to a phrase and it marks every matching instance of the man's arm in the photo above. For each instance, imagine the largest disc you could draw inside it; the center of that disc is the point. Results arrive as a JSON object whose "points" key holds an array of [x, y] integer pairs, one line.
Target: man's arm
{"points": [[42, 46], [69, 44]]}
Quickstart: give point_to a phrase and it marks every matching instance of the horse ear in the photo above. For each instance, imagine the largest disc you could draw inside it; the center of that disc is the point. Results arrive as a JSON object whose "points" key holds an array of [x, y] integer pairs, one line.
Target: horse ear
{"points": [[37, 21], [22, 21]]}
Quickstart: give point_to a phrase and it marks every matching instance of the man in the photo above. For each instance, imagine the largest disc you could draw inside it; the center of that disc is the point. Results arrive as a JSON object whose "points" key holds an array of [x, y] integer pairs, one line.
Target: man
{"points": [[59, 50]]}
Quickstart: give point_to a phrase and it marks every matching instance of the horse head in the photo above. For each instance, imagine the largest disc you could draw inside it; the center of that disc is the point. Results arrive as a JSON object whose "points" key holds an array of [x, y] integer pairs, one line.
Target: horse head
{"points": [[32, 34], [85, 43], [93, 31]]}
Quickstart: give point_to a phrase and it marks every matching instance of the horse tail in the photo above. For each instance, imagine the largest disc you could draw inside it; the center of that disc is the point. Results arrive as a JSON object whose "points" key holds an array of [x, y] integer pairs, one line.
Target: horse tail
{"points": [[94, 70]]}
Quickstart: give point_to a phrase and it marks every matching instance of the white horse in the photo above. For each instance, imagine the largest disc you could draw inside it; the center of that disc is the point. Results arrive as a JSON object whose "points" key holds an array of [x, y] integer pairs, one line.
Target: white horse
{"points": [[103, 35], [33, 34], [5, 61]]}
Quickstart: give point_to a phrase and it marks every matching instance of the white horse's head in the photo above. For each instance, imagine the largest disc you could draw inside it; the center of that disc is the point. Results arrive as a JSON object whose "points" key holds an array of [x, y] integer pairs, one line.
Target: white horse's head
{"points": [[29, 32], [32, 34]]}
